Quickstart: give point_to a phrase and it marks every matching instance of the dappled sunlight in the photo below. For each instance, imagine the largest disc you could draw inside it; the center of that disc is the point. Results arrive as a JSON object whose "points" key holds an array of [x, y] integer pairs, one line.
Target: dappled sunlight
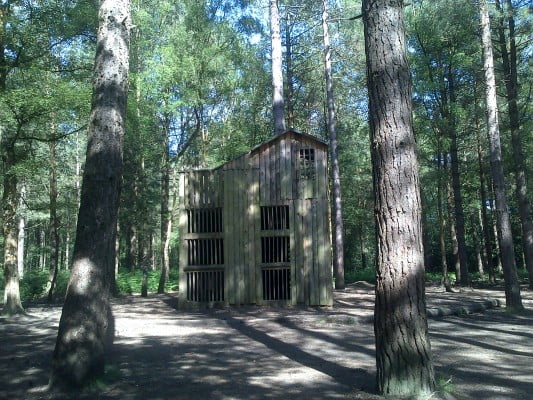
{"points": [[271, 353]]}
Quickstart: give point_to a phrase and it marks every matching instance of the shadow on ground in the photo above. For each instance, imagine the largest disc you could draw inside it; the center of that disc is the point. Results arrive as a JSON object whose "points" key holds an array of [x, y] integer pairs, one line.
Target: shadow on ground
{"points": [[271, 353]]}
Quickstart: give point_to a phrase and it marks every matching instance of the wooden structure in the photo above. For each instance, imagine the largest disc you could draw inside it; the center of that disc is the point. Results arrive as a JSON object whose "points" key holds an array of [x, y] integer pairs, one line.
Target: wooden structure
{"points": [[256, 229]]}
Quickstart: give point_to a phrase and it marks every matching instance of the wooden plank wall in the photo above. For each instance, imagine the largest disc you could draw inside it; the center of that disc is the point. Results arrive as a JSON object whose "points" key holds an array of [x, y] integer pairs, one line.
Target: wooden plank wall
{"points": [[269, 176]]}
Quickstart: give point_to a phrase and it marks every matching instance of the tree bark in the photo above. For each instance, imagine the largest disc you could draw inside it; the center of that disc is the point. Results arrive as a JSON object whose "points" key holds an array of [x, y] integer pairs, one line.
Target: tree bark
{"points": [[338, 226], [511, 85], [86, 323], [278, 107], [403, 351], [12, 303], [512, 287]]}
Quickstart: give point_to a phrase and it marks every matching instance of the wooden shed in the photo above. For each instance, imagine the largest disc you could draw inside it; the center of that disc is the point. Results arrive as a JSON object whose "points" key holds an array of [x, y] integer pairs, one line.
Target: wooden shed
{"points": [[256, 229]]}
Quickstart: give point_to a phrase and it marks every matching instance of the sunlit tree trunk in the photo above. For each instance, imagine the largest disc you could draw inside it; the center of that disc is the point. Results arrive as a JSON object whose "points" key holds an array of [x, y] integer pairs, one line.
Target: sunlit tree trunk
{"points": [[403, 352], [21, 248], [512, 287], [10, 198], [338, 227], [86, 322], [288, 56], [278, 107]]}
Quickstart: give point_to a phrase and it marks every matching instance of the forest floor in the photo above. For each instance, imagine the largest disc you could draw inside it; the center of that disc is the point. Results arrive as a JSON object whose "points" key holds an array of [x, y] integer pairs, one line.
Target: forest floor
{"points": [[277, 353]]}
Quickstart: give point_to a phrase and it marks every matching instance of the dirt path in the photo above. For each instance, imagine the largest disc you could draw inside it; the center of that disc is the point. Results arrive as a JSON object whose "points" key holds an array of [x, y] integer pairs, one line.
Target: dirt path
{"points": [[267, 353]]}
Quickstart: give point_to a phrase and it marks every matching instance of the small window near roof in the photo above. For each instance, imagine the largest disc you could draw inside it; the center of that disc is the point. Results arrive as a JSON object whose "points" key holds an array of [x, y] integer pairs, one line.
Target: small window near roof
{"points": [[307, 164]]}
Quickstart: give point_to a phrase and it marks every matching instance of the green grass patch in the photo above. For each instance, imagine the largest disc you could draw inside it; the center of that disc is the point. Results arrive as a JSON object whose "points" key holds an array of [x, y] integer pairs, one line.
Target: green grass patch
{"points": [[367, 275]]}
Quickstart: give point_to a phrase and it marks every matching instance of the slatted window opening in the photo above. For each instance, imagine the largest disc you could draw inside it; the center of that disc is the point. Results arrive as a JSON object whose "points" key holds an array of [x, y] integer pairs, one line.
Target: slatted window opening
{"points": [[274, 218], [276, 283], [205, 251], [307, 163], [204, 220], [205, 286], [275, 249]]}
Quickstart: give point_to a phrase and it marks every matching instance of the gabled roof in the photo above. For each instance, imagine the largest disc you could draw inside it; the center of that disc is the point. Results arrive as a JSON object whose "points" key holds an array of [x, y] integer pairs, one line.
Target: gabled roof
{"points": [[269, 142], [288, 133]]}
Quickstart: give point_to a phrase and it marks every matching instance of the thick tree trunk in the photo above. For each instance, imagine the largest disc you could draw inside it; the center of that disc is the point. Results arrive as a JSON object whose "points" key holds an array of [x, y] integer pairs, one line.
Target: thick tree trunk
{"points": [[86, 322], [53, 226], [511, 85], [403, 352], [278, 107], [338, 227], [12, 303], [512, 287]]}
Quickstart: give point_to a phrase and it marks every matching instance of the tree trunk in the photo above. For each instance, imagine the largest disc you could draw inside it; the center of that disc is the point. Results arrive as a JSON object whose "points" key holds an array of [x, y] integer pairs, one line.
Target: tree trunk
{"points": [[86, 323], [477, 248], [442, 221], [53, 226], [403, 351], [458, 213], [453, 230], [338, 228], [362, 247], [288, 57], [487, 235], [511, 85], [12, 303], [21, 235], [165, 215], [512, 287], [278, 107]]}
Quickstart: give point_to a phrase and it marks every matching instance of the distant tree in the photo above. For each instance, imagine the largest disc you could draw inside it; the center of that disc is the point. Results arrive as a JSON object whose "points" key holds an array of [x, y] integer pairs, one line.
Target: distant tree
{"points": [[403, 351], [338, 230], [512, 286], [83, 329]]}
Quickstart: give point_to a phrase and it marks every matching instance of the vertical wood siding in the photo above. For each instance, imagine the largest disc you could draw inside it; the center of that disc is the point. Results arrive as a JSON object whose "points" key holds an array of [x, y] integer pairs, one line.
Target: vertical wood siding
{"points": [[262, 222]]}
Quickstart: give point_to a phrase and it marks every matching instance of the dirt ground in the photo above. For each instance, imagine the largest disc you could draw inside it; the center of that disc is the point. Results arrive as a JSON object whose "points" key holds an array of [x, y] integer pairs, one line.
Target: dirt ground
{"points": [[277, 353]]}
